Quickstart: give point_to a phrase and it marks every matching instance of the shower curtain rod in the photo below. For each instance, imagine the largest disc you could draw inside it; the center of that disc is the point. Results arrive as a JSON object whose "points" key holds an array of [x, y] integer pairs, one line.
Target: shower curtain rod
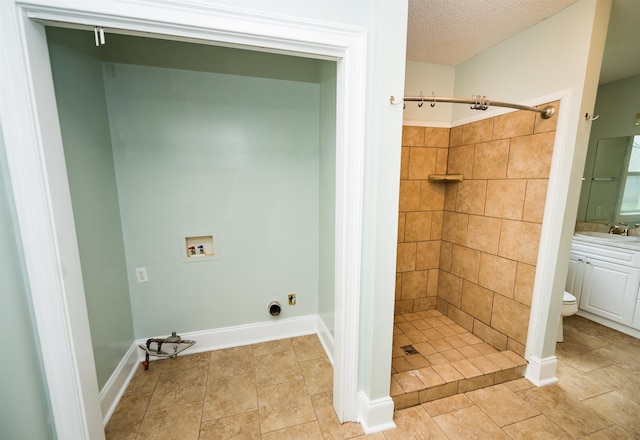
{"points": [[477, 103]]}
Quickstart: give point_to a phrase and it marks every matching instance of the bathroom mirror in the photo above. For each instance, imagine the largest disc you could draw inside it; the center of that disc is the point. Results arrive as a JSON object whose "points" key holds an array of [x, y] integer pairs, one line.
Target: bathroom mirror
{"points": [[611, 180]]}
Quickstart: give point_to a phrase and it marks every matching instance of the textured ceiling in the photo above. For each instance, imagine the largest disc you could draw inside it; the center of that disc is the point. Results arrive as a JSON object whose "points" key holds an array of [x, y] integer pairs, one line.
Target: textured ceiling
{"points": [[451, 31]]}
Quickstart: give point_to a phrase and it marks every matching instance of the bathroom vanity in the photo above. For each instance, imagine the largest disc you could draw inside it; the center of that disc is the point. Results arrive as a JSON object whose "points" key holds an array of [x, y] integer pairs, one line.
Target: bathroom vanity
{"points": [[604, 276]]}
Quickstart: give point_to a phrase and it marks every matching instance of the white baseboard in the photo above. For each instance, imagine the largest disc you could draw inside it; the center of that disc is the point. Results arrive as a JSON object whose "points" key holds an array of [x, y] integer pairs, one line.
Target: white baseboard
{"points": [[375, 415], [214, 339], [326, 339], [542, 372], [115, 387]]}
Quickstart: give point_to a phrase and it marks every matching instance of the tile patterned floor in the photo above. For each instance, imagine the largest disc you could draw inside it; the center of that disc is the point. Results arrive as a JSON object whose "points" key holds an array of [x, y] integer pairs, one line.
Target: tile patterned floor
{"points": [[282, 390], [443, 359]]}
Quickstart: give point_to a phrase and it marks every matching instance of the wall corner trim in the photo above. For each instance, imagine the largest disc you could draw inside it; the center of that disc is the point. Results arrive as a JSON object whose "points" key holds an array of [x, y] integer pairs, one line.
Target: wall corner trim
{"points": [[375, 415], [542, 372]]}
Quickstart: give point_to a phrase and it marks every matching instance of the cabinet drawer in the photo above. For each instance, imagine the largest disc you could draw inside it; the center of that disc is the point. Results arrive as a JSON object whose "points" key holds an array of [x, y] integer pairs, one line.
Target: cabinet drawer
{"points": [[607, 253]]}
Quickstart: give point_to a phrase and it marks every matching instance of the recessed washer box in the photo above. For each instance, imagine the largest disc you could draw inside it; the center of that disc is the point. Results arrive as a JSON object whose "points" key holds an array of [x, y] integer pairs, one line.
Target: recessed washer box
{"points": [[198, 247]]}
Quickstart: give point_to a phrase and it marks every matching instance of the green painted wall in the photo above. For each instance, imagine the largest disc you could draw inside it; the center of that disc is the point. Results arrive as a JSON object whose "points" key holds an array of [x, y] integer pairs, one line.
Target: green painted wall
{"points": [[77, 73], [24, 402], [210, 140], [327, 212]]}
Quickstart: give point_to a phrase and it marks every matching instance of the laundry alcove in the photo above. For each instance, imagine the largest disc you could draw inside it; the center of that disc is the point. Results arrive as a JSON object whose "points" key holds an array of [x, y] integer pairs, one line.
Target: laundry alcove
{"points": [[164, 139]]}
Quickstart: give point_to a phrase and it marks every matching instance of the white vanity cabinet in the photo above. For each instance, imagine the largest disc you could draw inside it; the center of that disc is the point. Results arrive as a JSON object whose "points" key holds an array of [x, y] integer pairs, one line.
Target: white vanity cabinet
{"points": [[605, 280]]}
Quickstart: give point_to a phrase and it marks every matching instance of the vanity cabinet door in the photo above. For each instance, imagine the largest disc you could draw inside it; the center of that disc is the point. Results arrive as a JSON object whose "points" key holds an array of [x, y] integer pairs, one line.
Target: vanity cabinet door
{"points": [[574, 275], [609, 290]]}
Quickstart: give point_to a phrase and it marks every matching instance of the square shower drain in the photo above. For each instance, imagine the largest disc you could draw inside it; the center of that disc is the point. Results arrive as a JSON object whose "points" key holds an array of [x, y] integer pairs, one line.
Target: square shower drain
{"points": [[408, 349]]}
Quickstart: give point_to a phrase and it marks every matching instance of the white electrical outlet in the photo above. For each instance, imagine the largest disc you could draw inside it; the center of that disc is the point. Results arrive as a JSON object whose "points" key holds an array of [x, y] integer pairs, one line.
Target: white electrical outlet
{"points": [[141, 275]]}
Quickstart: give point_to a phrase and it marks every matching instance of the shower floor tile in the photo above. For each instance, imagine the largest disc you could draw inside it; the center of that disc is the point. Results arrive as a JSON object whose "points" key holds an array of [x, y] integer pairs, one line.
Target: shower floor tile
{"points": [[433, 357]]}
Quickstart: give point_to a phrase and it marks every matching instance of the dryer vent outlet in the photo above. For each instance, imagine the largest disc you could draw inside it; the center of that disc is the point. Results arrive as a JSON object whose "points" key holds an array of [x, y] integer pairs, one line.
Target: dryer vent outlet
{"points": [[274, 308]]}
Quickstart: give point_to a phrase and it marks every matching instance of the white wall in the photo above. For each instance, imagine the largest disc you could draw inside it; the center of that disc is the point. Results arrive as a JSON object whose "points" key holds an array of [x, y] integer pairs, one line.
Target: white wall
{"points": [[428, 79]]}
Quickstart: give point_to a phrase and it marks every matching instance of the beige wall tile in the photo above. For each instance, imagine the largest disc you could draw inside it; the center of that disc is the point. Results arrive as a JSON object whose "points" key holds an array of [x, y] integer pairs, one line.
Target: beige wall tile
{"points": [[513, 124], [445, 255], [489, 335], [401, 221], [414, 284], [497, 274], [436, 225], [412, 136], [475, 132], [463, 319], [465, 262], [530, 156], [454, 227], [490, 160], [549, 124], [455, 136], [450, 194], [418, 226], [398, 285], [431, 196], [442, 157], [406, 258], [525, 276], [471, 196], [483, 233], [401, 307], [505, 198], [519, 241], [534, 200], [436, 137], [510, 318], [409, 195], [432, 284], [477, 301], [461, 161], [404, 163], [428, 256], [422, 162], [449, 288]]}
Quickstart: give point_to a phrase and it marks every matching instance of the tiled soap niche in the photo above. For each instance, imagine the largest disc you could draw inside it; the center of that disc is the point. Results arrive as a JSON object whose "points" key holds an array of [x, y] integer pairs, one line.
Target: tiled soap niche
{"points": [[198, 247]]}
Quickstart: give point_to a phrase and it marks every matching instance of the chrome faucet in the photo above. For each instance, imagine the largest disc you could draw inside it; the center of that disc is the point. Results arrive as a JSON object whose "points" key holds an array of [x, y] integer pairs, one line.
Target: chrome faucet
{"points": [[621, 228]]}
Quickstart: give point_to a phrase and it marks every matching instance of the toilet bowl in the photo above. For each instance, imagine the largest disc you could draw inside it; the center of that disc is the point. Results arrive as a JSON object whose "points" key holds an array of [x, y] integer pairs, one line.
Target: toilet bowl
{"points": [[569, 307]]}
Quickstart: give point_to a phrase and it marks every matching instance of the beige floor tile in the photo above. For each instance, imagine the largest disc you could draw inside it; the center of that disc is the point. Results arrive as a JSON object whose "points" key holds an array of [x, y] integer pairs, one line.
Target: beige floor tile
{"points": [[272, 347], [410, 381], [284, 405], [328, 420], [453, 355], [585, 361], [278, 367], [580, 386], [127, 418], [308, 347], [501, 361], [186, 362], [502, 405], [612, 433], [417, 361], [567, 412], [519, 384], [448, 404], [470, 338], [414, 423], [179, 387], [425, 348], [469, 423], [466, 368], [305, 431], [469, 352], [395, 387], [231, 362], [226, 396], [144, 381], [536, 428], [618, 409], [447, 372], [401, 364], [181, 422], [318, 375], [429, 377], [624, 381], [238, 427], [485, 365]]}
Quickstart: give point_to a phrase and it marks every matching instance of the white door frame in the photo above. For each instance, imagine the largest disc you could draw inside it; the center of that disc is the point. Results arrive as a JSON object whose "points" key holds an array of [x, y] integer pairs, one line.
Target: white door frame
{"points": [[29, 120]]}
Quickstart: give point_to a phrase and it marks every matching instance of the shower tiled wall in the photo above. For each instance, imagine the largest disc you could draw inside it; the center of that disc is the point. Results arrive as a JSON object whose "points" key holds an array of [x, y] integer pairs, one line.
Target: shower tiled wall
{"points": [[469, 248]]}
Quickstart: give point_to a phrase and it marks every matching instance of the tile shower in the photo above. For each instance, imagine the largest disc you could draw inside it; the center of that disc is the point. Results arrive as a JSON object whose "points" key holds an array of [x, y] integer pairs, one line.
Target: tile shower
{"points": [[467, 250]]}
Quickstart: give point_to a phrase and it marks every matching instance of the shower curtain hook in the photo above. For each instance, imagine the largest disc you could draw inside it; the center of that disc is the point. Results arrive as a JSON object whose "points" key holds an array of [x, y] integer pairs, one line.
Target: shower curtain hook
{"points": [[421, 100], [433, 99]]}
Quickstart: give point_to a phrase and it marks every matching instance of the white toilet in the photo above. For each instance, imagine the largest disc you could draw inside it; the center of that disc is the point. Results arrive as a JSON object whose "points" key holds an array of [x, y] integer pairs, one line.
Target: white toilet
{"points": [[569, 307]]}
